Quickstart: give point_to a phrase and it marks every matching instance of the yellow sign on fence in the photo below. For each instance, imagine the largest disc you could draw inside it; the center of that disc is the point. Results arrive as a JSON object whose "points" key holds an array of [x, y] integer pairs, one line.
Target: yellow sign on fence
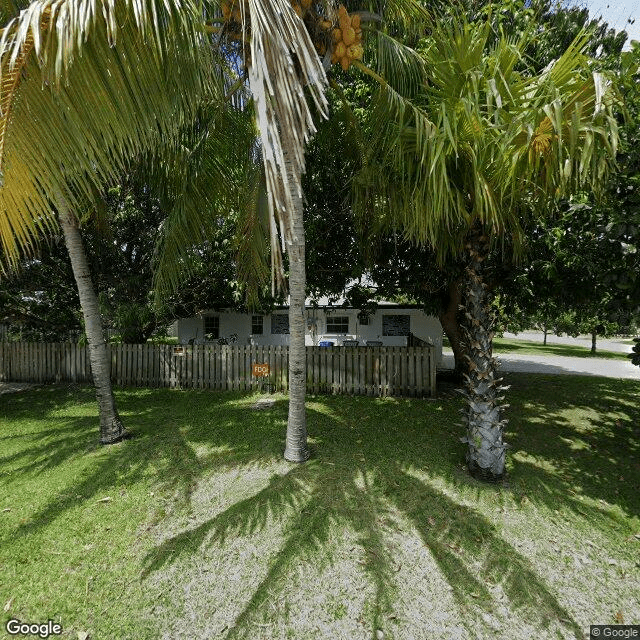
{"points": [[261, 370]]}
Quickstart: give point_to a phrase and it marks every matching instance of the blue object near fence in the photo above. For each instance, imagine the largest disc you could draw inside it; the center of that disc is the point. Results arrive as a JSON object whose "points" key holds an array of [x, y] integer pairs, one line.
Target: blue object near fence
{"points": [[326, 343]]}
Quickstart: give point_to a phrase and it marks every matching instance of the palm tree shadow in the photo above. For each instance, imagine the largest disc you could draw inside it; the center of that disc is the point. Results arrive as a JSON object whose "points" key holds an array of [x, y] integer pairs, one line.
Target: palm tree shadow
{"points": [[351, 485], [167, 452], [282, 495], [366, 469], [463, 536]]}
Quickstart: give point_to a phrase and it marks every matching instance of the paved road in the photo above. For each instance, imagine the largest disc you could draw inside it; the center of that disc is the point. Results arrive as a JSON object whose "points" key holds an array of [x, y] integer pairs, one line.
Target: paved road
{"points": [[562, 364], [559, 365]]}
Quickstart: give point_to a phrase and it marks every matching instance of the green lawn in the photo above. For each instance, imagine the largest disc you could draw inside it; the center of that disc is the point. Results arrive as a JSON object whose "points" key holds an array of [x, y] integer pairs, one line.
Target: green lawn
{"points": [[532, 347], [196, 528]]}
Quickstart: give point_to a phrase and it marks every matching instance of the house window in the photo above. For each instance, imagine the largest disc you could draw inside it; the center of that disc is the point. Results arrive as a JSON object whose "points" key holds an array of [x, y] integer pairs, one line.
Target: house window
{"points": [[364, 318], [396, 325], [212, 327], [280, 323], [338, 324], [256, 324]]}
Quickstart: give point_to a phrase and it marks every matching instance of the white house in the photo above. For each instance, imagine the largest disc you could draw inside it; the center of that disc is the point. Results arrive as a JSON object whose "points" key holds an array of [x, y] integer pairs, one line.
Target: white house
{"points": [[327, 325]]}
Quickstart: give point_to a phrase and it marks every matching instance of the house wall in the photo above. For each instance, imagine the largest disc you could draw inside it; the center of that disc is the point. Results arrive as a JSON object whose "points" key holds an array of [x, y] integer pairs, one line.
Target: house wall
{"points": [[422, 326]]}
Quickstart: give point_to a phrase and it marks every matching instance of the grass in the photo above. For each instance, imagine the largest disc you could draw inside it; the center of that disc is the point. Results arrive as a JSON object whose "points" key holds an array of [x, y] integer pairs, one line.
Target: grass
{"points": [[208, 533], [507, 345], [532, 347]]}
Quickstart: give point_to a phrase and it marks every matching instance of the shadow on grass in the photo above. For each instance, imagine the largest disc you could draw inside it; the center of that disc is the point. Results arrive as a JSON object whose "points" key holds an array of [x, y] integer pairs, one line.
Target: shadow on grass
{"points": [[362, 466], [574, 438], [368, 455], [165, 425]]}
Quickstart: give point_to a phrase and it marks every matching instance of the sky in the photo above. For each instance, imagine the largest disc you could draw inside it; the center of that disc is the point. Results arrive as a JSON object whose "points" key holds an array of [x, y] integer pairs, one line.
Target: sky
{"points": [[616, 13]]}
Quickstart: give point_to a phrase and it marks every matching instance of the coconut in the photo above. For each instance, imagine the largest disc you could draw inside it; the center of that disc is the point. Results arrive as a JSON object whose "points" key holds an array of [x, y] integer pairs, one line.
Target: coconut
{"points": [[341, 50], [355, 51], [344, 22], [355, 21], [342, 10], [337, 35], [326, 25], [349, 36], [345, 62]]}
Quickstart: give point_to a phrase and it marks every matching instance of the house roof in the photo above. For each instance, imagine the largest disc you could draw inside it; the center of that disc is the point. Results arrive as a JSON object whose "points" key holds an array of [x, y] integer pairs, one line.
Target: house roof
{"points": [[337, 306]]}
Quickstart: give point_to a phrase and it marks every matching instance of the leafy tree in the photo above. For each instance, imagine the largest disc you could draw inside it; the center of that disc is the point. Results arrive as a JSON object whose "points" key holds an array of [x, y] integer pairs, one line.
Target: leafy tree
{"points": [[461, 161], [31, 307], [583, 272], [564, 286]]}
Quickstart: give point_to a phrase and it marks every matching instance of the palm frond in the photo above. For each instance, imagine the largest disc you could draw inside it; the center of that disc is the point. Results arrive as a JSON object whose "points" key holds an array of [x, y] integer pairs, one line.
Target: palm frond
{"points": [[285, 67], [480, 138], [410, 15], [88, 84], [402, 67], [199, 178]]}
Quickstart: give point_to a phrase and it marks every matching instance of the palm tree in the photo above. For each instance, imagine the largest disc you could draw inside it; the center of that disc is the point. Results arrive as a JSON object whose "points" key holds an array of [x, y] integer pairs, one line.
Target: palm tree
{"points": [[109, 102], [111, 428], [115, 100], [67, 129], [457, 160]]}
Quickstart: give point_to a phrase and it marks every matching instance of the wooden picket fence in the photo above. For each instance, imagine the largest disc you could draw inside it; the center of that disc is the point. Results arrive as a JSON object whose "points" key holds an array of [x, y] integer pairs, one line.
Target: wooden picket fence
{"points": [[374, 371]]}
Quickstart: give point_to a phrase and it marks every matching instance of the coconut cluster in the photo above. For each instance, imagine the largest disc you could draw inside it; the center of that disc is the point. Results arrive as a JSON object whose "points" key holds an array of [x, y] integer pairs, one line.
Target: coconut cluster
{"points": [[347, 39], [342, 39]]}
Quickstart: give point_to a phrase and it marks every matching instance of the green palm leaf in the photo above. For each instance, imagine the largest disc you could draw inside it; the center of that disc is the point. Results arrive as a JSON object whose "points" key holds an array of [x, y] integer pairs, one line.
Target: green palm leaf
{"points": [[87, 84]]}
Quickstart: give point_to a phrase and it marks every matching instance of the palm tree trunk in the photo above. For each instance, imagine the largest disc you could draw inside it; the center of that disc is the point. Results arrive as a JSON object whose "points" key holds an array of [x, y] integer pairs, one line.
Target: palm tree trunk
{"points": [[296, 448], [482, 415], [111, 427]]}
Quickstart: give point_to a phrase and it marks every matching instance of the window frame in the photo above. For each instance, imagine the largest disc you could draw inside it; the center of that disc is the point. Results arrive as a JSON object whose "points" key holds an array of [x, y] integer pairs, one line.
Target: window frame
{"points": [[216, 332], [341, 320], [255, 324]]}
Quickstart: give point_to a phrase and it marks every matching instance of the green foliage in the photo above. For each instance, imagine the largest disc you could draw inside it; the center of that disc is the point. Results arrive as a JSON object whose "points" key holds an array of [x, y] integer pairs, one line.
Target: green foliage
{"points": [[87, 85], [583, 273], [39, 302], [333, 256], [211, 180], [484, 140], [565, 285], [556, 25]]}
